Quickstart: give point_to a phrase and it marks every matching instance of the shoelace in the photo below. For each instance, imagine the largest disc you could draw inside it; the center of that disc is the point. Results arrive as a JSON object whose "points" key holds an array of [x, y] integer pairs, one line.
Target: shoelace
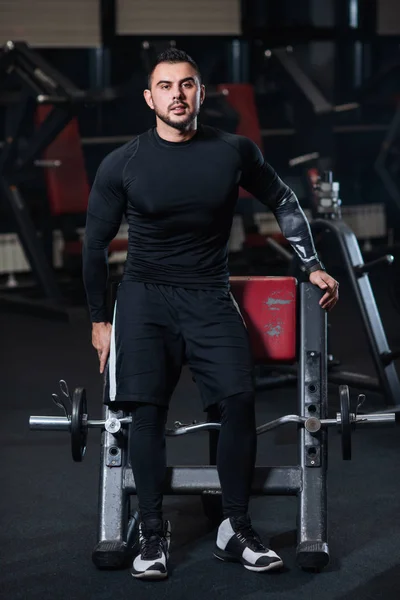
{"points": [[245, 532], [151, 546]]}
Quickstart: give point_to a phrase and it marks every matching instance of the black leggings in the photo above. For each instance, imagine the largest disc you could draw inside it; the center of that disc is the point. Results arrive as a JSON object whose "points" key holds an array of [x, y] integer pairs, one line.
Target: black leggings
{"points": [[236, 454]]}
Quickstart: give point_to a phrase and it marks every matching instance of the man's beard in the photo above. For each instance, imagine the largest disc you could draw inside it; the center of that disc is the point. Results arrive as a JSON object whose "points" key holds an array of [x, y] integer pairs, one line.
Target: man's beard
{"points": [[181, 125]]}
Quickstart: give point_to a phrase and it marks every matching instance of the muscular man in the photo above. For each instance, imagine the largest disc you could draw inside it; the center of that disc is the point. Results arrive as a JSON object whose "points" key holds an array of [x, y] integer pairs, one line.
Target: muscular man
{"points": [[177, 185]]}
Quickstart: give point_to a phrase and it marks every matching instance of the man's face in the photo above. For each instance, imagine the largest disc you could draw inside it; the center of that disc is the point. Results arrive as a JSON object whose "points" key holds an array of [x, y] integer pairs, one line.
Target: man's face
{"points": [[176, 94]]}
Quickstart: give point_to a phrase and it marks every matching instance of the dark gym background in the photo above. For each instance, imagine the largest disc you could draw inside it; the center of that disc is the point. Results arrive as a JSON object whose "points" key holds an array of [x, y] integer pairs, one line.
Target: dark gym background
{"points": [[350, 49]]}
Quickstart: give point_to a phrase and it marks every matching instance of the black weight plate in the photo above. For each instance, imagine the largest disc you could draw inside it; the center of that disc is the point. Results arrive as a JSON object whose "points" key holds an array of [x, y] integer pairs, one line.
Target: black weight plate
{"points": [[78, 431], [345, 421]]}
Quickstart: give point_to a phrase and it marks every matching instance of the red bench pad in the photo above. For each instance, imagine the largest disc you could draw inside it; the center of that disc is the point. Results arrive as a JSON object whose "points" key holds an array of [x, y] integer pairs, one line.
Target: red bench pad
{"points": [[268, 307]]}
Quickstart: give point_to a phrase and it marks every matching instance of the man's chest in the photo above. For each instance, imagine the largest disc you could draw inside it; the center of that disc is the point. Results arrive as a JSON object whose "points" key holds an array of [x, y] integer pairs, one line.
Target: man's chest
{"points": [[183, 184]]}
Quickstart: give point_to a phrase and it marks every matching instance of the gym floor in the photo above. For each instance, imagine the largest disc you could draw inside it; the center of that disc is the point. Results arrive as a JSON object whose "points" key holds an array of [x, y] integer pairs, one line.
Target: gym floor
{"points": [[49, 504]]}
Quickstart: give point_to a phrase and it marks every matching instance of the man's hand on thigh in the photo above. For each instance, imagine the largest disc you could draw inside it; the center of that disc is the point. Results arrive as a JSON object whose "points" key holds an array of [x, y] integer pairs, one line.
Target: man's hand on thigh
{"points": [[101, 340]]}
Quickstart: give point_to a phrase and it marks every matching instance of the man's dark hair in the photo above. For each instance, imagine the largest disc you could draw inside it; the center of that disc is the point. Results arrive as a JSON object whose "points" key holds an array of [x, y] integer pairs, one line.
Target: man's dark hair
{"points": [[172, 56]]}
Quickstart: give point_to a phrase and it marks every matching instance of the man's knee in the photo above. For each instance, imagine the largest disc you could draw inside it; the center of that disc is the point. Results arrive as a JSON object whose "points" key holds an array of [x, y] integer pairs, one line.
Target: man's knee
{"points": [[239, 408], [150, 417]]}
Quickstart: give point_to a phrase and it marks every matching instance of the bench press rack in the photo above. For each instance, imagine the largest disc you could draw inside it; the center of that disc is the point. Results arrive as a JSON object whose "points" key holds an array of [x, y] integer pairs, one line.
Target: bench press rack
{"points": [[271, 308], [284, 321]]}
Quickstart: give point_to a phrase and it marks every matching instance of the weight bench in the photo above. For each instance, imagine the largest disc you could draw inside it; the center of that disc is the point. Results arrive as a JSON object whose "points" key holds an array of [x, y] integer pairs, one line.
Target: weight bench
{"points": [[272, 307]]}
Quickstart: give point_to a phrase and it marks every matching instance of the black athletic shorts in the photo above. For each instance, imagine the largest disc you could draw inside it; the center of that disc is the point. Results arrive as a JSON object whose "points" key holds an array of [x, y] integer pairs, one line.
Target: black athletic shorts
{"points": [[159, 328]]}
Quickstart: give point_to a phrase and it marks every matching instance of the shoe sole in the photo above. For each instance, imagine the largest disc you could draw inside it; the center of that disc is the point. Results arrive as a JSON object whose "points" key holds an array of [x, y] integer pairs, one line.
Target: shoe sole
{"points": [[227, 557], [154, 575]]}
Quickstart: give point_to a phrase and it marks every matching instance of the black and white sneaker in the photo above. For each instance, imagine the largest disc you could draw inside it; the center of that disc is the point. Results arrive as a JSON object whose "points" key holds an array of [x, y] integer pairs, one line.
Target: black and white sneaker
{"points": [[154, 541], [238, 542]]}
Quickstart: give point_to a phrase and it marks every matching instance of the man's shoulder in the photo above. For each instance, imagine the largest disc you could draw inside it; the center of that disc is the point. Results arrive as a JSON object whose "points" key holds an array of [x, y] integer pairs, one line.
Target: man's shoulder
{"points": [[239, 142], [118, 157], [218, 134]]}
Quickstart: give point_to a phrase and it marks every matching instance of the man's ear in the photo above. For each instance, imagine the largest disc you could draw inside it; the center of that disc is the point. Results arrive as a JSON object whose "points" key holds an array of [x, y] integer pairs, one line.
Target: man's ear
{"points": [[148, 97], [202, 93]]}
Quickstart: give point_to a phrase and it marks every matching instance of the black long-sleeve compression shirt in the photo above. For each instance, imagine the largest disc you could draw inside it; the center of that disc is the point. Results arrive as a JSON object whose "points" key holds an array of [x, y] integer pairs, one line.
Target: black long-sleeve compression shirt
{"points": [[179, 200]]}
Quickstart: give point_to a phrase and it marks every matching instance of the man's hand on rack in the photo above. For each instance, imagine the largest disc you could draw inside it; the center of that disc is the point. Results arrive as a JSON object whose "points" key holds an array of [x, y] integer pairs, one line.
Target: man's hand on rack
{"points": [[324, 281]]}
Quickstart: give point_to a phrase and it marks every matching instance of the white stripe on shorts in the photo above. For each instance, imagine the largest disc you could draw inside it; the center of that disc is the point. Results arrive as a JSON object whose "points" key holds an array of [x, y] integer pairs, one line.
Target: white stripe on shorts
{"points": [[112, 361], [237, 308]]}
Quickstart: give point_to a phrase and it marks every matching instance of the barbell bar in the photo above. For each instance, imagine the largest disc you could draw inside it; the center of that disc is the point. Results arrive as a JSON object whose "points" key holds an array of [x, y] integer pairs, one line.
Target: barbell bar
{"points": [[77, 423], [311, 424]]}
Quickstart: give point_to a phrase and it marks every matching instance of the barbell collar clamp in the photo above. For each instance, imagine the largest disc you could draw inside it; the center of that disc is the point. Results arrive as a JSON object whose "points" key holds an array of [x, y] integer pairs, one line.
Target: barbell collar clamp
{"points": [[113, 425], [100, 423], [312, 425]]}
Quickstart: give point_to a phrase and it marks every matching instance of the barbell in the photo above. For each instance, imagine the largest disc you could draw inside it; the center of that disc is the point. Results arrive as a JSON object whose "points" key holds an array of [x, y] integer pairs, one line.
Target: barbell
{"points": [[76, 421]]}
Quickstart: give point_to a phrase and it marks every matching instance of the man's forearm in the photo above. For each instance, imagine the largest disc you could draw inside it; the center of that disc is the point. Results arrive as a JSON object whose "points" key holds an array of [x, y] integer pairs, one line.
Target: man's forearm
{"points": [[296, 229], [95, 277]]}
